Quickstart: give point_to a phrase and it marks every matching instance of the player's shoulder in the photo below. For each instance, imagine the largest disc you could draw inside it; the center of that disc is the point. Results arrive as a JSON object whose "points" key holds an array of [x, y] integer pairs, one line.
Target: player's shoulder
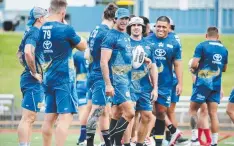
{"points": [[172, 42]]}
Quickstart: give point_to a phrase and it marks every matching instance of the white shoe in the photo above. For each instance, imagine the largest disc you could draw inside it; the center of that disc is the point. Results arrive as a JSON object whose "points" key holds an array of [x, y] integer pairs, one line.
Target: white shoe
{"points": [[195, 143], [84, 143], [174, 137]]}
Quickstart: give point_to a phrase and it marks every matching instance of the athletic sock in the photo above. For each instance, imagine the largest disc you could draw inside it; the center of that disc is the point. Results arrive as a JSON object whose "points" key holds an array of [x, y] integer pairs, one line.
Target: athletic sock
{"points": [[159, 131], [168, 135], [194, 135], [139, 144], [119, 131], [127, 144], [112, 129], [106, 137], [214, 138], [200, 130], [82, 133], [171, 128], [207, 134], [90, 139]]}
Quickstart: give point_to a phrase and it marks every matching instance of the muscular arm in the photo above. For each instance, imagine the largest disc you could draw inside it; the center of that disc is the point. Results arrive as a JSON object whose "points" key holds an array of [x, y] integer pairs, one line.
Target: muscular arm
{"points": [[195, 63], [29, 51], [179, 74], [82, 45], [105, 57], [154, 76]]}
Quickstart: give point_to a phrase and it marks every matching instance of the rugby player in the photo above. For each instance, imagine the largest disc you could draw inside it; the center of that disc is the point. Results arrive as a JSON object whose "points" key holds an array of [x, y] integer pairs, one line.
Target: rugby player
{"points": [[167, 54], [57, 40], [209, 61], [230, 107], [141, 89], [81, 65], [97, 84], [31, 78], [116, 65]]}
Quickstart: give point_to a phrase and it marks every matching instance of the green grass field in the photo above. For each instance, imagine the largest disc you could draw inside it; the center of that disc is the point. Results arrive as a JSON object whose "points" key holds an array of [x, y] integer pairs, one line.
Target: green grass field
{"points": [[10, 69], [11, 139]]}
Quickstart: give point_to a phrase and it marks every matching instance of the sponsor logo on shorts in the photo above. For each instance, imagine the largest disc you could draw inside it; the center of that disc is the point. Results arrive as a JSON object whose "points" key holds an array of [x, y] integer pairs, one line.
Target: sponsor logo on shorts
{"points": [[200, 97]]}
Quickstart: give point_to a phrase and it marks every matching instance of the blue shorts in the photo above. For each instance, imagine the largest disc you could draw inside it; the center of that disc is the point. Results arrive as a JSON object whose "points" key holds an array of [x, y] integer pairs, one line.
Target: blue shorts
{"points": [[143, 102], [174, 98], [122, 94], [61, 98], [98, 93], [82, 98], [164, 100], [203, 94], [231, 98], [33, 97]]}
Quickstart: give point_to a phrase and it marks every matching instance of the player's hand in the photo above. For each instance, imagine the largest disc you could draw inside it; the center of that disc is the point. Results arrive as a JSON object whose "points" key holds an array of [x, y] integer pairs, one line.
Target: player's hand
{"points": [[37, 76], [154, 95], [110, 90], [148, 62], [178, 89]]}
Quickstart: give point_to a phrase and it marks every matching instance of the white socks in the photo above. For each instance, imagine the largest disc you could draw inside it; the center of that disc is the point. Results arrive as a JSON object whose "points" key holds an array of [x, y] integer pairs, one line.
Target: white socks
{"points": [[194, 134], [214, 138]]}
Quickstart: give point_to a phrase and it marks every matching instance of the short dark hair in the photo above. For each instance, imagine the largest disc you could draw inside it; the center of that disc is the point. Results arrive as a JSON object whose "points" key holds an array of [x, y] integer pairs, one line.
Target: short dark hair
{"points": [[129, 29], [146, 20], [212, 31], [164, 19], [109, 12], [57, 5]]}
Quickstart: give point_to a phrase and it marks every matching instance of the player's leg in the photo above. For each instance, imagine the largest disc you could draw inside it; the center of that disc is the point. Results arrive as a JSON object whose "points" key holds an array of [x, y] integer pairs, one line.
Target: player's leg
{"points": [[212, 104], [143, 106], [31, 104], [230, 106], [135, 127], [99, 102], [104, 123], [50, 116], [161, 108], [122, 97], [84, 108], [47, 128], [116, 113], [203, 124], [65, 109]]}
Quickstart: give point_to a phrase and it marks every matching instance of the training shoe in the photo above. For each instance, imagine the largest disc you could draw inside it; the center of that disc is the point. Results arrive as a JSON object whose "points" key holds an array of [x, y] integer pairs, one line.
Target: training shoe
{"points": [[102, 144], [83, 143], [182, 141], [174, 137], [195, 142]]}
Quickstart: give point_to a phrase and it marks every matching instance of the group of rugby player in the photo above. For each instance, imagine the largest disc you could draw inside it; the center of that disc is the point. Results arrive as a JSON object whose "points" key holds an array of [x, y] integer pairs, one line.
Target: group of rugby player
{"points": [[99, 79]]}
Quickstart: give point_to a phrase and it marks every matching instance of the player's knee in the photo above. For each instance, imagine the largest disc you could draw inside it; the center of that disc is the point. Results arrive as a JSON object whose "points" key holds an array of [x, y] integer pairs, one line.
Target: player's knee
{"points": [[129, 115], [212, 114], [29, 118], [146, 118], [229, 112], [46, 129], [161, 115]]}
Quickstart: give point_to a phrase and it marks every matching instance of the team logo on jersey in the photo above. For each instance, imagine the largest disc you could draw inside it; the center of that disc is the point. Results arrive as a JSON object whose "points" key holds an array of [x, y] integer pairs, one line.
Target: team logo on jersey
{"points": [[208, 73], [217, 59], [160, 68], [160, 44], [47, 46], [160, 54], [147, 47], [169, 46]]}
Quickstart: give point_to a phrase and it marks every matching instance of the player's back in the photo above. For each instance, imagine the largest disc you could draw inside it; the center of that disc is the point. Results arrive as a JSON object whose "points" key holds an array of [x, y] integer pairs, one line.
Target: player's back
{"points": [[213, 56], [94, 42], [57, 40]]}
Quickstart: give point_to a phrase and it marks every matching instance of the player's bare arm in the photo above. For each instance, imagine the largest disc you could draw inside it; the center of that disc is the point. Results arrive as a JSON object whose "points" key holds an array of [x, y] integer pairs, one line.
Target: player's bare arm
{"points": [[154, 81], [194, 64], [82, 45], [105, 57], [178, 66], [30, 60]]}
